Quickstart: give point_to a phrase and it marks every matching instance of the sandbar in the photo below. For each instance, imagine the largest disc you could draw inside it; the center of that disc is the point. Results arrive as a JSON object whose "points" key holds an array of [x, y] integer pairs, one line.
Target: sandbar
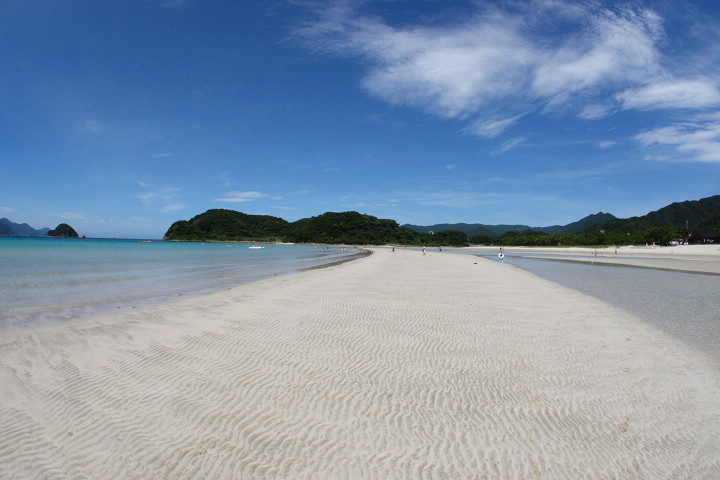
{"points": [[396, 365]]}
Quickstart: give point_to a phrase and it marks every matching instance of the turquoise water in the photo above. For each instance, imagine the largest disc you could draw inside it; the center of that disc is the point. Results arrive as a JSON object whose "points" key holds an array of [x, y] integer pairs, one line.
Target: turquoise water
{"points": [[48, 280], [686, 305]]}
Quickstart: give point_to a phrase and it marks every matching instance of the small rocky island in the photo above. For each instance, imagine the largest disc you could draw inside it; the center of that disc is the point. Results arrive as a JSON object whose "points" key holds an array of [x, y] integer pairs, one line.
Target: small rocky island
{"points": [[63, 230]]}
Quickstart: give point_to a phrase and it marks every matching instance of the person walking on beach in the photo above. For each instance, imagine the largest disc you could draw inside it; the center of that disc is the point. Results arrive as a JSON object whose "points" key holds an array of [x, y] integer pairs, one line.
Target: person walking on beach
{"points": [[423, 250], [501, 255]]}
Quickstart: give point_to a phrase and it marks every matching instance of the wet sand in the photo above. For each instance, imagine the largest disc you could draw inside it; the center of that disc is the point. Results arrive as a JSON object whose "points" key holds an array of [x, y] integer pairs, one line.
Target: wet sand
{"points": [[683, 258], [397, 365]]}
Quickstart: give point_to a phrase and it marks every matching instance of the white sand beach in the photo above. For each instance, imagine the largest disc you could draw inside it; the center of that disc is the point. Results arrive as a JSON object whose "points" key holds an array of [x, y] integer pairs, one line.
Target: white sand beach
{"points": [[397, 365]]}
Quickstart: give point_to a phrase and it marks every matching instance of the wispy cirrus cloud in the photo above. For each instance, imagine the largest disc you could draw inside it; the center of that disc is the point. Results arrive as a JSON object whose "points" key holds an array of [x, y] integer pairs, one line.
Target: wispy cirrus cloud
{"points": [[674, 94], [241, 197], [696, 141], [503, 61], [595, 111], [163, 199], [493, 127], [510, 144], [462, 69]]}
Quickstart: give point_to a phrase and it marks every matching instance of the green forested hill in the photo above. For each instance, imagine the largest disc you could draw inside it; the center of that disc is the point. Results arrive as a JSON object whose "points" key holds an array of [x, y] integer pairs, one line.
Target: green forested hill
{"points": [[354, 228], [63, 230], [332, 228], [659, 227], [709, 225], [349, 228], [695, 212], [225, 225], [584, 224]]}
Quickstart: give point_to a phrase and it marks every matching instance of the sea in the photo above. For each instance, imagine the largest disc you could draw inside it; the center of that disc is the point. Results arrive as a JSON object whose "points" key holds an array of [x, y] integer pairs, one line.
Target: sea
{"points": [[685, 305], [50, 280]]}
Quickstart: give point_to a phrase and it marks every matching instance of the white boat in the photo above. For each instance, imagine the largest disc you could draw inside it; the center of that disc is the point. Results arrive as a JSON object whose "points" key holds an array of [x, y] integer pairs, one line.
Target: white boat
{"points": [[255, 247]]}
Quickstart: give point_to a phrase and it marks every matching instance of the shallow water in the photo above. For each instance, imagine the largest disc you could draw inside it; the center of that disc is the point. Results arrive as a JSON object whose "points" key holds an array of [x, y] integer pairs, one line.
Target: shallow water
{"points": [[686, 305], [45, 280]]}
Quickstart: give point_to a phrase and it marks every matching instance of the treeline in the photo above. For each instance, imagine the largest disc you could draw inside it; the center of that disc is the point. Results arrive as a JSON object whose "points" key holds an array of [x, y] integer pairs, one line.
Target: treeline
{"points": [[532, 238], [699, 215], [353, 228], [349, 228]]}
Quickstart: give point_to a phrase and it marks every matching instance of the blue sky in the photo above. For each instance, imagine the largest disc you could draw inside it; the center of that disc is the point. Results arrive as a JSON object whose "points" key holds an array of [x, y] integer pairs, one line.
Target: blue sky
{"points": [[121, 117]]}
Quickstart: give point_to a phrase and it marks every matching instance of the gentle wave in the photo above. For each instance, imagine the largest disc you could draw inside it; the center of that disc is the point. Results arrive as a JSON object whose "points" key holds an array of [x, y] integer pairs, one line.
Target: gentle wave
{"points": [[53, 279], [72, 283]]}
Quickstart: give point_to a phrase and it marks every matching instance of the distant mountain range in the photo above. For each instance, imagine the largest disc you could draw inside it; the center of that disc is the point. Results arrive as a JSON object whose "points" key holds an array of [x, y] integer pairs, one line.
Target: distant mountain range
{"points": [[11, 229], [700, 215], [480, 229]]}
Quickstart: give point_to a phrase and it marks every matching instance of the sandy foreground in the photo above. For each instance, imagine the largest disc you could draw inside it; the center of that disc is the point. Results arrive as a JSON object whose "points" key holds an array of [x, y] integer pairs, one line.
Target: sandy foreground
{"points": [[397, 365]]}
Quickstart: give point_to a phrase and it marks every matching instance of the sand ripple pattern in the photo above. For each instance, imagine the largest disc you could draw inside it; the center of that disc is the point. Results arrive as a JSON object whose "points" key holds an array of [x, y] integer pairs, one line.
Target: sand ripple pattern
{"points": [[392, 366]]}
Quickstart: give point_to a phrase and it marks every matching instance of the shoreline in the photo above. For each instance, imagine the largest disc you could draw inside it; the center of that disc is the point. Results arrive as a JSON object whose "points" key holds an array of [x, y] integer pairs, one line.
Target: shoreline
{"points": [[109, 291], [703, 259], [397, 365]]}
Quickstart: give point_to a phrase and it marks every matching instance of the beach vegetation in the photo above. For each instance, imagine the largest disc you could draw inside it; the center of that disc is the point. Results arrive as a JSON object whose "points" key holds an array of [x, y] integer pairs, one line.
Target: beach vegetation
{"points": [[531, 238], [660, 227], [348, 228], [228, 225]]}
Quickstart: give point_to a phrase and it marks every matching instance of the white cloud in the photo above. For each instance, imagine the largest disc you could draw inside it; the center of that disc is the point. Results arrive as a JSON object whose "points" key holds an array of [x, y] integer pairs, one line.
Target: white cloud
{"points": [[688, 142], [241, 197], [501, 66], [499, 60], [510, 144], [162, 199], [676, 94], [611, 48], [452, 71], [607, 144], [595, 111], [492, 128], [172, 207], [602, 171]]}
